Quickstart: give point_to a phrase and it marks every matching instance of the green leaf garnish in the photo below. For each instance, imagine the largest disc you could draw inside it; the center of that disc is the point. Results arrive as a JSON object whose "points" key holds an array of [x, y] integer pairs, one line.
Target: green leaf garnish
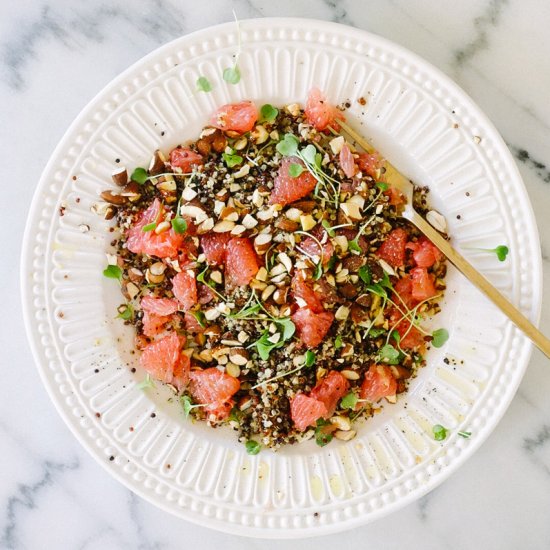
{"points": [[268, 113], [149, 227], [246, 312], [179, 225], [203, 84], [318, 273], [308, 154], [126, 312], [388, 353], [289, 328], [295, 170], [364, 274], [440, 336], [382, 185], [187, 405], [322, 438], [440, 433], [338, 342], [201, 275], [353, 245], [199, 316], [349, 401], [378, 290], [264, 346], [465, 435], [328, 228], [501, 251], [375, 332], [146, 384], [235, 415], [139, 175], [396, 336], [232, 75], [310, 358], [288, 146], [232, 159], [252, 447], [113, 272]]}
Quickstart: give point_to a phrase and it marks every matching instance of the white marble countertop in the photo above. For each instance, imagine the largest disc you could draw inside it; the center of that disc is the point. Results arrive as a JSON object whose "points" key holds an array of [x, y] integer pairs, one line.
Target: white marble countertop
{"points": [[55, 56]]}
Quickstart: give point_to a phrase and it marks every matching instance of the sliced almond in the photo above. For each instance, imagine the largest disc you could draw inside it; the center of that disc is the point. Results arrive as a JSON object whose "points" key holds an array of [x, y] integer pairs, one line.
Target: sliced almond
{"points": [[358, 200], [336, 144], [342, 313], [294, 214], [341, 242], [120, 176], [242, 337], [217, 277], [436, 220], [233, 370], [266, 214], [262, 274], [212, 314], [274, 338], [345, 435], [238, 230], [259, 134], [262, 242], [285, 260], [350, 374], [249, 221], [223, 227], [341, 422], [307, 222], [188, 194], [244, 171], [293, 109], [239, 356], [162, 227], [206, 226], [268, 291], [351, 210]]}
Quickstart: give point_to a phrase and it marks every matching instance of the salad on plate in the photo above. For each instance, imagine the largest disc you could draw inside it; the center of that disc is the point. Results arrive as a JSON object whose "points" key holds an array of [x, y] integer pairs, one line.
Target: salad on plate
{"points": [[269, 276]]}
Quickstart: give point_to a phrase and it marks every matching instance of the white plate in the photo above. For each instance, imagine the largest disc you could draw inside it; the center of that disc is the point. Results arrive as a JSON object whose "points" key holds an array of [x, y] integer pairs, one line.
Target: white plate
{"points": [[419, 119]]}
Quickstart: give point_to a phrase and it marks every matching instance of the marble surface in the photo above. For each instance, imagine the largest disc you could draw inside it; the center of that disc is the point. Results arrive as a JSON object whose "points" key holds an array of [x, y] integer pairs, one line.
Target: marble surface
{"points": [[55, 55]]}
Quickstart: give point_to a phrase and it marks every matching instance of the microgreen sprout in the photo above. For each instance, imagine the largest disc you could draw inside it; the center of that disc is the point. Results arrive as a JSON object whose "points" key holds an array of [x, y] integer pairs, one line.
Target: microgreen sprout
{"points": [[349, 401], [203, 84], [338, 342], [465, 435], [232, 75], [149, 227], [310, 358], [146, 383], [268, 113], [199, 316], [125, 312], [179, 225], [500, 251], [440, 433], [201, 278], [252, 447], [288, 146], [113, 272], [295, 170], [389, 354], [383, 186], [322, 435], [139, 175], [188, 405], [439, 337], [232, 159], [365, 274]]}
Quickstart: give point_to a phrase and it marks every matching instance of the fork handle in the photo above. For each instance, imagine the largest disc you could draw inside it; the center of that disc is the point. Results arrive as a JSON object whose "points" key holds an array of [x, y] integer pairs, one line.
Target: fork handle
{"points": [[536, 336]]}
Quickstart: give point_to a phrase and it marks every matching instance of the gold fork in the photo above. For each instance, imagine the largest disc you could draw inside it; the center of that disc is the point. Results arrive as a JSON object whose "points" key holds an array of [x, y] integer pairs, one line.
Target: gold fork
{"points": [[394, 178]]}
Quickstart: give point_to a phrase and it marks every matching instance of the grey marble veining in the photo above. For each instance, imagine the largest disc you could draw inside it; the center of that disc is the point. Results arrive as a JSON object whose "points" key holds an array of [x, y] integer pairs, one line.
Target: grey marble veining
{"points": [[54, 57]]}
